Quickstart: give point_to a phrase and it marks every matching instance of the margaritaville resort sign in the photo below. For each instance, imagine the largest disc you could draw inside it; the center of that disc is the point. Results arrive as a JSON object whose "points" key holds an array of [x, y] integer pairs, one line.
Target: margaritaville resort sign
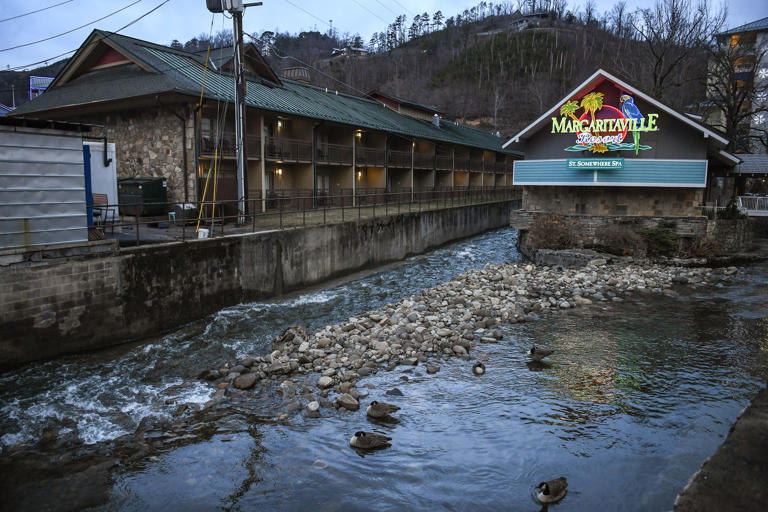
{"points": [[601, 128]]}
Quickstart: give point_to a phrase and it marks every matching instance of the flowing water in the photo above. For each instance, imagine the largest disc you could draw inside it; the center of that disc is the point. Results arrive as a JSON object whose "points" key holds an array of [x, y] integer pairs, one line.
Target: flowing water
{"points": [[634, 399]]}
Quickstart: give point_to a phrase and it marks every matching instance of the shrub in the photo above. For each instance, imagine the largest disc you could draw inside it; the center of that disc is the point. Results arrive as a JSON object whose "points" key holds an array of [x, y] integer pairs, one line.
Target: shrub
{"points": [[659, 241], [553, 231], [620, 240], [731, 211]]}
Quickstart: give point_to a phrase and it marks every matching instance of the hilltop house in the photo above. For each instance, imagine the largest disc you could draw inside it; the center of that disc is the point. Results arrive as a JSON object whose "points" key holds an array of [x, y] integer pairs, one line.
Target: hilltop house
{"points": [[301, 140]]}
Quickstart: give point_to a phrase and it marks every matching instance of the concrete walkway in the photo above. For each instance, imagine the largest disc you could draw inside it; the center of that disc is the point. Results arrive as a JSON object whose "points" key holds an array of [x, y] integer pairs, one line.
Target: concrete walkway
{"points": [[736, 476]]}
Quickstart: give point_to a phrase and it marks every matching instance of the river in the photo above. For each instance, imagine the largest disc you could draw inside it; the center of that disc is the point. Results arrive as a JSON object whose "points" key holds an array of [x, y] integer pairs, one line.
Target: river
{"points": [[637, 395]]}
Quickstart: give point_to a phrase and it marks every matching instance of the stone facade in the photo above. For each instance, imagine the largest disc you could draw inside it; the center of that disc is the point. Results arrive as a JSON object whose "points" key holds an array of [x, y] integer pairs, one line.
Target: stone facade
{"points": [[732, 235], [678, 202], [149, 143]]}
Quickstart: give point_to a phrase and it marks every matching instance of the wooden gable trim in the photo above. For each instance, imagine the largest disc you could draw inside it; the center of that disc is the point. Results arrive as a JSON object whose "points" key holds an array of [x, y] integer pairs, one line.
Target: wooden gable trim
{"points": [[75, 66]]}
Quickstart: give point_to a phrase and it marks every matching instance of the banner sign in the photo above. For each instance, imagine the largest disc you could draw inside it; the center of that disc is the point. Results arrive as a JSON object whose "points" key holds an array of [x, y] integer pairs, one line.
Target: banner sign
{"points": [[595, 163]]}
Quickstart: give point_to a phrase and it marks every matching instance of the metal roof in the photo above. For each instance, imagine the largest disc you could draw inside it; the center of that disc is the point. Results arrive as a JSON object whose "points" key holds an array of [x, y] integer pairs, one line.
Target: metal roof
{"points": [[182, 72], [752, 164], [761, 24]]}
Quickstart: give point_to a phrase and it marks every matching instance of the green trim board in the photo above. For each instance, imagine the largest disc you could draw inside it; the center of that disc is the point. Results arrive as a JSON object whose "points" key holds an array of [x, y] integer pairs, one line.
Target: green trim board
{"points": [[634, 173]]}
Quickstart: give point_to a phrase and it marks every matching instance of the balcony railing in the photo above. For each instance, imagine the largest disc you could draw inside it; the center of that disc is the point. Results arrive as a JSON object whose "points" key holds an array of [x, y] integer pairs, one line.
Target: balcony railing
{"points": [[462, 163], [444, 162], [288, 150], [400, 158], [227, 145], [476, 164], [369, 156], [334, 154], [423, 160]]}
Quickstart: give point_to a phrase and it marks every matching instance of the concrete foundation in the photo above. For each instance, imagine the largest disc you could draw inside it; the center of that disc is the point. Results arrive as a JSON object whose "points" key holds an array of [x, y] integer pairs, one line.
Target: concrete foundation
{"points": [[95, 301]]}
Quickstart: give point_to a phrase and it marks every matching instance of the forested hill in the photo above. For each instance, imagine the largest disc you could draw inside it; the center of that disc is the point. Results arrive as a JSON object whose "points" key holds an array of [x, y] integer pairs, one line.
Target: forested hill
{"points": [[497, 71]]}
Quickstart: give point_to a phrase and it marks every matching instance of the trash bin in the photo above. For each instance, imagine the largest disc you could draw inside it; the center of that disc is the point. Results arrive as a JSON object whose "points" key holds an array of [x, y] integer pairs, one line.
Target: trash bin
{"points": [[143, 196]]}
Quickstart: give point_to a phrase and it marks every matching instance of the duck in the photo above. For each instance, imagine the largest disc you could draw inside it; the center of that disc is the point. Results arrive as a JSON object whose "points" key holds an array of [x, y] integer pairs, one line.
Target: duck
{"points": [[478, 368], [369, 441], [537, 354], [552, 491], [380, 409]]}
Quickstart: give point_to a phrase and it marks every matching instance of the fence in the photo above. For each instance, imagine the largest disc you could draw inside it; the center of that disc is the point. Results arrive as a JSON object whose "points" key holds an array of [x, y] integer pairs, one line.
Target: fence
{"points": [[288, 209]]}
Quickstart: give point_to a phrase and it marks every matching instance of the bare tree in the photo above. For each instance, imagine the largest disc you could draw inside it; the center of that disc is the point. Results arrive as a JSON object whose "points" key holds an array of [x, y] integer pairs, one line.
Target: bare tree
{"points": [[671, 32], [737, 89]]}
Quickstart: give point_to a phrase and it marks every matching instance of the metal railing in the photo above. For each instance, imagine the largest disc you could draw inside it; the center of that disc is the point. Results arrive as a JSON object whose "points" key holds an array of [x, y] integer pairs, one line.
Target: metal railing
{"points": [[282, 209], [444, 162], [370, 156], [400, 159], [334, 154], [753, 204], [423, 161], [288, 150], [207, 145]]}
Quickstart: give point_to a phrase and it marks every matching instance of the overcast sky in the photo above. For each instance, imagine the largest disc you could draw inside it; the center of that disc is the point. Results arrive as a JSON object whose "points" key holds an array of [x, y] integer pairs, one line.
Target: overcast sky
{"points": [[183, 19]]}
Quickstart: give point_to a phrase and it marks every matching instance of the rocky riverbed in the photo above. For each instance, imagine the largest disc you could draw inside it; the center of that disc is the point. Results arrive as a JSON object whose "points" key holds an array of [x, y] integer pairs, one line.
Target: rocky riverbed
{"points": [[446, 321]]}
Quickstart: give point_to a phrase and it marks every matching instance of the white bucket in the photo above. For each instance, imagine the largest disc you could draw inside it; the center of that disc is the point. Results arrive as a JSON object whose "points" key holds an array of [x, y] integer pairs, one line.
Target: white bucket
{"points": [[202, 233]]}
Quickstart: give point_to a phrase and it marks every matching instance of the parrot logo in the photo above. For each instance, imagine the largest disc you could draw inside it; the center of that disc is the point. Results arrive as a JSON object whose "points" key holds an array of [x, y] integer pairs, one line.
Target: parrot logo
{"points": [[630, 111]]}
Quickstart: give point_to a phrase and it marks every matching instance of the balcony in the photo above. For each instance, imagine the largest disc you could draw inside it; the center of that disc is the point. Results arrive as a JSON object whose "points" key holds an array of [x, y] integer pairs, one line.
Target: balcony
{"points": [[462, 163], [400, 159], [369, 156], [334, 154], [423, 160], [288, 150], [444, 162], [227, 149], [476, 164]]}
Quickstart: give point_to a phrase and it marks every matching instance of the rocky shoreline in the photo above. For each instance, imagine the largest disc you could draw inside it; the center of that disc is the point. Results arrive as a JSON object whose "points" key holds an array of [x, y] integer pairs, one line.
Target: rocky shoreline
{"points": [[446, 321]]}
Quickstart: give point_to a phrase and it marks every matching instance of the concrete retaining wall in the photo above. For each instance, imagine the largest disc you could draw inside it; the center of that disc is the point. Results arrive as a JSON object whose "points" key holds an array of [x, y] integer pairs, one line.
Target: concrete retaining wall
{"points": [[93, 301]]}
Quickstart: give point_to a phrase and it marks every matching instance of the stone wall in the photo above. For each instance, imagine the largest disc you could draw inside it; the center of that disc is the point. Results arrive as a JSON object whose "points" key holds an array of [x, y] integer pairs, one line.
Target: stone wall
{"points": [[643, 201], [93, 301], [731, 235], [148, 144]]}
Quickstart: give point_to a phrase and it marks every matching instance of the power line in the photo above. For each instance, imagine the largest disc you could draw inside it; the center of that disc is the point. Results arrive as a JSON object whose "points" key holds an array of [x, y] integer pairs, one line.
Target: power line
{"points": [[322, 73], [404, 7], [33, 12], [307, 12], [105, 37], [370, 11], [387, 8], [72, 30]]}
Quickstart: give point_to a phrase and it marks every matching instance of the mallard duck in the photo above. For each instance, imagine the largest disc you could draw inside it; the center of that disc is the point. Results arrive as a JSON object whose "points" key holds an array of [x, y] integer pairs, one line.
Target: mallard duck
{"points": [[369, 441], [380, 409], [537, 354], [552, 491], [478, 368]]}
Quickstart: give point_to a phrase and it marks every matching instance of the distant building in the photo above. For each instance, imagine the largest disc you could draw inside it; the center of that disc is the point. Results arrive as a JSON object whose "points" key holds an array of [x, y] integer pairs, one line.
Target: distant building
{"points": [[752, 38], [38, 85], [349, 51]]}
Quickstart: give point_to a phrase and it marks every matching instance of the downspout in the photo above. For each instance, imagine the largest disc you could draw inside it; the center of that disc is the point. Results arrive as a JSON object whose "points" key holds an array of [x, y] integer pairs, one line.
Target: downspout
{"points": [[183, 120]]}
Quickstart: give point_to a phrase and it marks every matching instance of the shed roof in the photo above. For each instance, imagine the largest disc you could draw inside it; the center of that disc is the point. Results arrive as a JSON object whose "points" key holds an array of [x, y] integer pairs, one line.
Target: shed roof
{"points": [[159, 69], [752, 164], [757, 25]]}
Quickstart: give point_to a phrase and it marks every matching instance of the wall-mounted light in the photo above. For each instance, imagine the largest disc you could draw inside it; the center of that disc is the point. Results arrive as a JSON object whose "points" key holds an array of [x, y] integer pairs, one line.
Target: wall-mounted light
{"points": [[359, 134], [279, 171], [413, 144], [279, 123], [359, 175]]}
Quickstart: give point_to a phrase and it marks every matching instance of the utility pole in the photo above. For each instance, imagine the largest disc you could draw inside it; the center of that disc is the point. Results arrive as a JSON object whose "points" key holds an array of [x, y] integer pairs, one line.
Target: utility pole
{"points": [[236, 9]]}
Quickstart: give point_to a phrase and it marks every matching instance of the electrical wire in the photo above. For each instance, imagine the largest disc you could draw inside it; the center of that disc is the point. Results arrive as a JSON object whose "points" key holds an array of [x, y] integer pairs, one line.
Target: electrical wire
{"points": [[404, 7], [307, 12], [322, 73], [38, 10], [387, 7], [70, 31], [370, 11], [105, 37]]}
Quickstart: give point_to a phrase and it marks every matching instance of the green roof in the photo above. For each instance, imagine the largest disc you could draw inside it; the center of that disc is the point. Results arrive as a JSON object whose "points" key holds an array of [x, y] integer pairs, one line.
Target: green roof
{"points": [[182, 72]]}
